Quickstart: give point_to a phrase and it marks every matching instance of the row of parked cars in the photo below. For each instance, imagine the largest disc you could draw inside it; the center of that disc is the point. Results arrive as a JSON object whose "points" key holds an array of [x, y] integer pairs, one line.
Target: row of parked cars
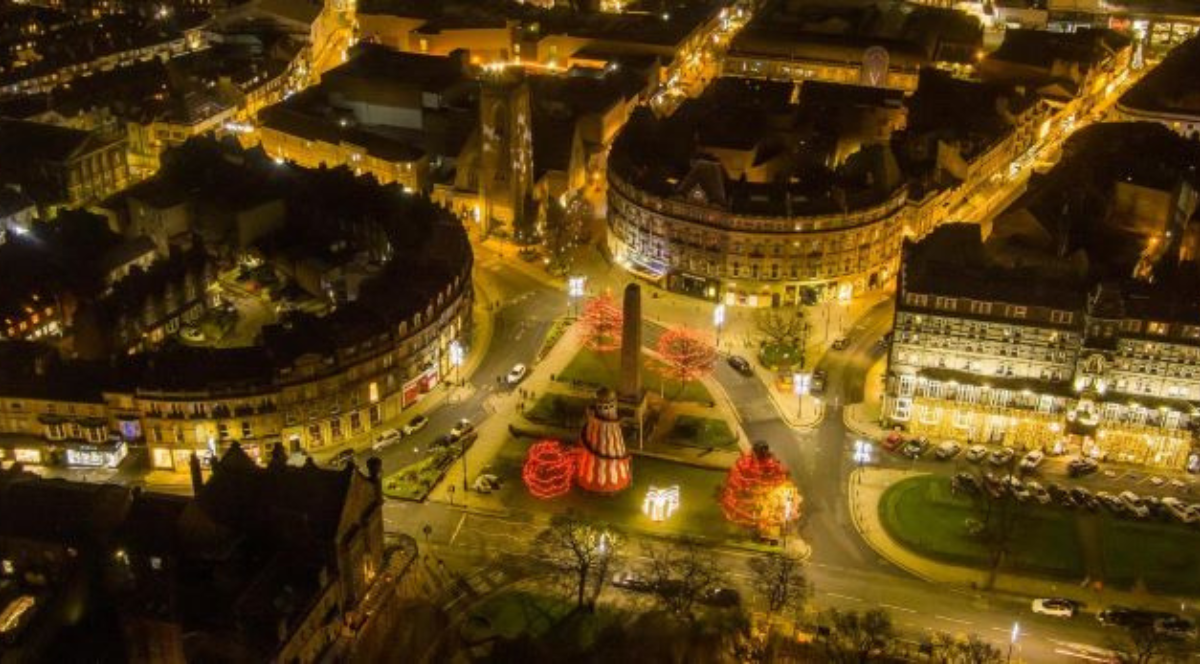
{"points": [[1164, 623], [1125, 503]]}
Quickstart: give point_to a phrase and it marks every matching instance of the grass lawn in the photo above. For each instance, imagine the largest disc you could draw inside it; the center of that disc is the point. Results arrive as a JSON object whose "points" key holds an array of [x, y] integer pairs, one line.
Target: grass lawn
{"points": [[558, 410], [699, 514], [703, 432], [924, 516], [1165, 556], [604, 369], [414, 481]]}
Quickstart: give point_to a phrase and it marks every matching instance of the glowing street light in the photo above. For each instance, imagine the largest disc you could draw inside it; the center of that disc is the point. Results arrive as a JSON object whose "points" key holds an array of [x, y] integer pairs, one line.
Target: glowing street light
{"points": [[1016, 634], [801, 384], [719, 322], [456, 357], [575, 289]]}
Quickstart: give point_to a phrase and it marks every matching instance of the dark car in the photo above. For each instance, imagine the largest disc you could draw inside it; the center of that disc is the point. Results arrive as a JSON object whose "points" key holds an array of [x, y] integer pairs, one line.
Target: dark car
{"points": [[1081, 466], [966, 482], [632, 581], [817, 386], [914, 448], [722, 597], [740, 365], [342, 458], [1123, 616]]}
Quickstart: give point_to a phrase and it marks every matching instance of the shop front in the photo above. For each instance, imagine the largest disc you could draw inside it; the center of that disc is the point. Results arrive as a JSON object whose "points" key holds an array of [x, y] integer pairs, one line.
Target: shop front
{"points": [[26, 450], [95, 455]]}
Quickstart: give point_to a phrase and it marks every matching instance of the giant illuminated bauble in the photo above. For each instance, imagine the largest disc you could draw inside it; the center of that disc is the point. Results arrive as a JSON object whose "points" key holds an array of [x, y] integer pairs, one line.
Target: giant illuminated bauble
{"points": [[759, 492], [549, 468]]}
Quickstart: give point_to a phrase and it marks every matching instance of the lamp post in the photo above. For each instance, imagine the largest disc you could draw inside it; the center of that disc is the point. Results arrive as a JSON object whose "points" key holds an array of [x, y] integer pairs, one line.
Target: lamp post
{"points": [[456, 358], [1016, 634], [800, 386], [575, 289], [719, 322]]}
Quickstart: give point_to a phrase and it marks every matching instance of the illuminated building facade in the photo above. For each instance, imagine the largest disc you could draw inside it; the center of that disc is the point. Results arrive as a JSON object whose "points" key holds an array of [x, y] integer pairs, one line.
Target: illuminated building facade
{"points": [[693, 201], [1169, 94], [1081, 341]]}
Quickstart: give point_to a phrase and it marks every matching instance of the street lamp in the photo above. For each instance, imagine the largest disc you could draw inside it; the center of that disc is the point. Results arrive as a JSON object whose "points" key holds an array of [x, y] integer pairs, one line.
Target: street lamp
{"points": [[456, 358], [575, 288], [1016, 634], [719, 322], [800, 386]]}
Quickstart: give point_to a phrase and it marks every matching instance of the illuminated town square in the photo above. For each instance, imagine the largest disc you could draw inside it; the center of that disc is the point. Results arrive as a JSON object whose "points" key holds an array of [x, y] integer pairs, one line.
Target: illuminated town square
{"points": [[603, 330]]}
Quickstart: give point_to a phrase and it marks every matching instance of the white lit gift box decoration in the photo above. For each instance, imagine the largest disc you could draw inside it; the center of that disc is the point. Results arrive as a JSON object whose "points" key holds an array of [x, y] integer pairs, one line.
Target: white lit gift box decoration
{"points": [[661, 503]]}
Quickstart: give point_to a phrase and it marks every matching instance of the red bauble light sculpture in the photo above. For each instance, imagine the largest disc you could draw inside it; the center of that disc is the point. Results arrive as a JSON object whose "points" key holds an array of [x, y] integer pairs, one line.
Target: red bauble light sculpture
{"points": [[602, 320], [759, 492], [548, 470]]}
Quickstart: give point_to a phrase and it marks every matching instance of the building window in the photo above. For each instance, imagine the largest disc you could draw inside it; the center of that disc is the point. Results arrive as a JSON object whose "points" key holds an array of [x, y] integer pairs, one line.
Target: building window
{"points": [[1015, 311], [160, 457], [246, 432], [916, 300], [373, 392], [929, 415], [948, 303], [1061, 317], [902, 410], [335, 428], [314, 434], [376, 415], [907, 385], [981, 308], [1156, 328], [962, 419], [222, 431], [355, 422]]}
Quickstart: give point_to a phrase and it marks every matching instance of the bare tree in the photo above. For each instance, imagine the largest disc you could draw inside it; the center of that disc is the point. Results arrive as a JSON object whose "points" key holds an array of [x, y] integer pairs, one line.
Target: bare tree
{"points": [[1143, 644], [859, 637], [780, 580], [999, 513], [682, 574], [974, 650], [580, 553], [781, 325]]}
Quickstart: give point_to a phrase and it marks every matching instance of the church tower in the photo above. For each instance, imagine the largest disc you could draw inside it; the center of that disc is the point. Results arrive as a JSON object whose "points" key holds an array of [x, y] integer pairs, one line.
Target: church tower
{"points": [[506, 147]]}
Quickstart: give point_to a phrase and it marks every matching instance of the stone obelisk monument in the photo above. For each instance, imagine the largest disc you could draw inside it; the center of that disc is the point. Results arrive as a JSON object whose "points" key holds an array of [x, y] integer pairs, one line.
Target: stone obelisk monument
{"points": [[631, 345]]}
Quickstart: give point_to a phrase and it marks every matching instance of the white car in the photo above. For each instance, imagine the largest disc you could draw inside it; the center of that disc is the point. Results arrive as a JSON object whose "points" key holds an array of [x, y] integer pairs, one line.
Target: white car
{"points": [[1032, 460], [947, 450], [1134, 505], [414, 425], [1055, 606], [516, 374], [461, 429], [385, 438], [976, 453], [1038, 492], [1180, 510]]}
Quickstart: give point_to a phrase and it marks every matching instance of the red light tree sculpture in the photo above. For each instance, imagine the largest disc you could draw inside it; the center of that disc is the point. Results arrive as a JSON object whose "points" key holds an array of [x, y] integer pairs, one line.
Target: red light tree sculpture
{"points": [[602, 320], [549, 467], [685, 355], [759, 493]]}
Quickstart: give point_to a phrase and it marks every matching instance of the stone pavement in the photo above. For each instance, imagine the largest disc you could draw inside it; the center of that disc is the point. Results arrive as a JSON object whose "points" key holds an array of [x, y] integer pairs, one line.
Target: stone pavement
{"points": [[866, 486]]}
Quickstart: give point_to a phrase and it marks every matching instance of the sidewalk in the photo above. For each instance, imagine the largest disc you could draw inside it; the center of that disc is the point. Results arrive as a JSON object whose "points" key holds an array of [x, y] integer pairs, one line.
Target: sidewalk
{"points": [[863, 417], [867, 485]]}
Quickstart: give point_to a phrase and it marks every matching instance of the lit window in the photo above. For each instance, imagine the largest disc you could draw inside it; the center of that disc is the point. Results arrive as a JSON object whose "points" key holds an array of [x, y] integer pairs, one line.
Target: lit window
{"points": [[373, 392]]}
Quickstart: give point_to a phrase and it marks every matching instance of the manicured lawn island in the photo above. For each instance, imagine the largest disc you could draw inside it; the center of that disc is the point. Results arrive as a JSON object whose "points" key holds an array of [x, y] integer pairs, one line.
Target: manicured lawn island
{"points": [[704, 432], [604, 369]]}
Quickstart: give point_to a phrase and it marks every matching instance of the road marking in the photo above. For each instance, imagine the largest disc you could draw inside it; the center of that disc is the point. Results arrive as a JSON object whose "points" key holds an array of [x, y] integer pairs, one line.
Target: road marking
{"points": [[954, 620], [845, 597], [457, 528], [897, 608], [1082, 655]]}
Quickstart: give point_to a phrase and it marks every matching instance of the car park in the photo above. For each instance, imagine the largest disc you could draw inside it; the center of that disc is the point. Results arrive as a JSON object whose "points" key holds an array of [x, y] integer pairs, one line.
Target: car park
{"points": [[385, 438], [516, 374], [1134, 505], [947, 450], [1001, 456], [1081, 466], [1059, 607], [1038, 493], [740, 365], [976, 453], [414, 425], [1032, 460]]}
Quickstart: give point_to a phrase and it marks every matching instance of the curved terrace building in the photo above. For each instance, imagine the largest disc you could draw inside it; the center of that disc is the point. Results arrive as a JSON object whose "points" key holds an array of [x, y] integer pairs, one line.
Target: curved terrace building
{"points": [[761, 193]]}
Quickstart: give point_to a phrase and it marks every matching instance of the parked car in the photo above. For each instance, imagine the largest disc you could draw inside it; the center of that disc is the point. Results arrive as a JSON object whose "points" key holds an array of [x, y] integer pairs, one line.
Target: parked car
{"points": [[342, 458], [841, 343], [722, 597], [1016, 488], [994, 485], [385, 438], [1134, 505], [965, 482], [192, 334], [1059, 607], [1110, 501], [414, 425], [914, 448], [1080, 466], [741, 365], [516, 374], [1179, 510], [976, 453], [1123, 616], [486, 483], [629, 580], [461, 429], [947, 450], [1001, 456], [1032, 460], [1175, 627], [817, 384], [1038, 493]]}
